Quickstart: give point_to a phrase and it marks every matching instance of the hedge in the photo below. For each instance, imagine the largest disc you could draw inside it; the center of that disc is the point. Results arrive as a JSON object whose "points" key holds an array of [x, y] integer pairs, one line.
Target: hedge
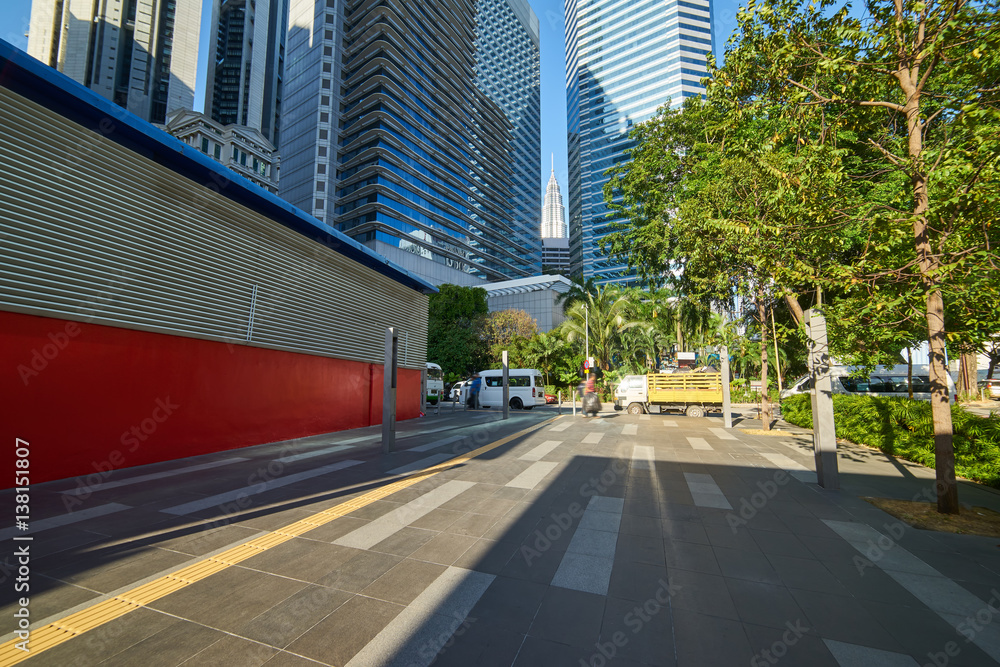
{"points": [[904, 428]]}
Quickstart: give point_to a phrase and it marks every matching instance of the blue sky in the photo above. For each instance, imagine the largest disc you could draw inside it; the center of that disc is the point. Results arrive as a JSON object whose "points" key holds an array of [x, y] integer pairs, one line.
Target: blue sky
{"points": [[15, 16]]}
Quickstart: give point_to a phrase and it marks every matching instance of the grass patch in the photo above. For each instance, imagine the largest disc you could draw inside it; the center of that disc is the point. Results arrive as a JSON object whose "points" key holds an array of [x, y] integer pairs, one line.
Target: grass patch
{"points": [[904, 428], [969, 521]]}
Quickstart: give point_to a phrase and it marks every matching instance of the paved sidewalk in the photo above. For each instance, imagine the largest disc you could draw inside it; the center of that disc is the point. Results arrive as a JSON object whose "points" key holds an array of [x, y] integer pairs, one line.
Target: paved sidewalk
{"points": [[541, 540]]}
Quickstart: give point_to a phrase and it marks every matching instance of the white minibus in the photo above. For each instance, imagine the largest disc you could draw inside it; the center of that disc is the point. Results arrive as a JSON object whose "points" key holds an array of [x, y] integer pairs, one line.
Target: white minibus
{"points": [[887, 381], [527, 388], [435, 383]]}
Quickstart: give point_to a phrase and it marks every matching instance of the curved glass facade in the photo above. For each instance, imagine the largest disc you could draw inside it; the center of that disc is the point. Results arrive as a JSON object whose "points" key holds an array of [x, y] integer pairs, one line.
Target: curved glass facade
{"points": [[432, 143], [624, 59]]}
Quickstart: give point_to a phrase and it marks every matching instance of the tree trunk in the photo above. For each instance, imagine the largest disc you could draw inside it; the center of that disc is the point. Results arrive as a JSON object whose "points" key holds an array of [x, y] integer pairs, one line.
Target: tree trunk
{"points": [[765, 400], [968, 378], [908, 76], [909, 371], [793, 306], [944, 453]]}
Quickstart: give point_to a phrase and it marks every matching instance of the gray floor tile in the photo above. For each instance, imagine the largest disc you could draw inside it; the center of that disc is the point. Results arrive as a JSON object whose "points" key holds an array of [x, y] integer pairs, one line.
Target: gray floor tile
{"points": [[709, 640], [785, 646], [353, 625], [171, 646], [303, 559], [285, 621], [405, 541], [764, 604], [844, 619], [702, 593], [510, 604], [569, 617], [749, 565], [638, 631], [360, 571], [229, 599], [404, 581], [232, 651], [688, 556]]}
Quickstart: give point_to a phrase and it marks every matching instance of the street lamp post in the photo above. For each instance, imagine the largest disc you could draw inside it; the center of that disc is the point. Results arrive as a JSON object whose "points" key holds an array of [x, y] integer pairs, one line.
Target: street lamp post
{"points": [[586, 329]]}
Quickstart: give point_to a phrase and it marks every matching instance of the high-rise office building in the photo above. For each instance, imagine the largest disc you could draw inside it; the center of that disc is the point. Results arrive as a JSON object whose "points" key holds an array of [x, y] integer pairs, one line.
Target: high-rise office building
{"points": [[141, 54], [623, 60], [553, 213], [244, 83], [391, 135]]}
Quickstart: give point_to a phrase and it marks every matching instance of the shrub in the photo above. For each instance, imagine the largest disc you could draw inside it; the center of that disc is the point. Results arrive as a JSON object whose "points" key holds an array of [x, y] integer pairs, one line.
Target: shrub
{"points": [[905, 428]]}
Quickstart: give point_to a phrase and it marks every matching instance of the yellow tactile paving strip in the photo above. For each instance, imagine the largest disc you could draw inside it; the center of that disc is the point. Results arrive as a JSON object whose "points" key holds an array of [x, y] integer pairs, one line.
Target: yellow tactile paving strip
{"points": [[74, 625]]}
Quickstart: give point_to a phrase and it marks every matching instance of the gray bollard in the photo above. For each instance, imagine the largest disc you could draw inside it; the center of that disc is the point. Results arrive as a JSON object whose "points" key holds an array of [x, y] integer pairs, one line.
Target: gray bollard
{"points": [[559, 400]]}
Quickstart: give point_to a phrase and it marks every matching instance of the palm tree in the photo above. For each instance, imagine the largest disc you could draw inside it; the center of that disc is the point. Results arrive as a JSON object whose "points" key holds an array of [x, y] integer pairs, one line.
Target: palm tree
{"points": [[545, 347], [609, 312], [581, 290]]}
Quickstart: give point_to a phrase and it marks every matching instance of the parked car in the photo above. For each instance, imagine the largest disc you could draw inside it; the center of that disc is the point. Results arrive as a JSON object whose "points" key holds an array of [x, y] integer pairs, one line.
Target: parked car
{"points": [[992, 387], [550, 398], [456, 389]]}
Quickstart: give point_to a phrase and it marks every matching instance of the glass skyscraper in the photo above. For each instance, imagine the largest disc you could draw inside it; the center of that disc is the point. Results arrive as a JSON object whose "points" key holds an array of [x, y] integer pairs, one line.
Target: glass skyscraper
{"points": [[414, 128], [624, 59]]}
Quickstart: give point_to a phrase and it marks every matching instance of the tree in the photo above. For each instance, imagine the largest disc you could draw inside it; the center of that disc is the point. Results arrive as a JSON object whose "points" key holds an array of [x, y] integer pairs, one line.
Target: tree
{"points": [[919, 78], [453, 323], [503, 329], [580, 290], [608, 312]]}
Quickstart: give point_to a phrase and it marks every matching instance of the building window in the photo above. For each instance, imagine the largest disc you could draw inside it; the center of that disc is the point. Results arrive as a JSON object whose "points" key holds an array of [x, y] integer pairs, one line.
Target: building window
{"points": [[321, 169], [243, 158], [204, 145], [324, 118], [324, 101], [327, 67], [319, 203], [327, 50], [218, 151], [328, 34], [323, 134]]}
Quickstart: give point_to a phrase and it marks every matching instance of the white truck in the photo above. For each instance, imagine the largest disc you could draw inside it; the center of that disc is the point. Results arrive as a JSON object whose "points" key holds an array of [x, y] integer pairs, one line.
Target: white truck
{"points": [[690, 393]]}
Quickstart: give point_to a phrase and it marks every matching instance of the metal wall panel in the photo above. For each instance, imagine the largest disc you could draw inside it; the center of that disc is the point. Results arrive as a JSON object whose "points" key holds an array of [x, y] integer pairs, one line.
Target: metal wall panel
{"points": [[94, 231]]}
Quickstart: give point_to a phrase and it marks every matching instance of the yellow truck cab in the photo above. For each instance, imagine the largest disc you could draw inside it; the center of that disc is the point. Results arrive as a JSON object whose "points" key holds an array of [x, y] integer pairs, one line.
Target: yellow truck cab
{"points": [[690, 393]]}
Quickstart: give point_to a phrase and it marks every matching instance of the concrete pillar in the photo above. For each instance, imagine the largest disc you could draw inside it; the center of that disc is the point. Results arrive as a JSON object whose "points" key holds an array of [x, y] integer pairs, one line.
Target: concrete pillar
{"points": [[824, 431]]}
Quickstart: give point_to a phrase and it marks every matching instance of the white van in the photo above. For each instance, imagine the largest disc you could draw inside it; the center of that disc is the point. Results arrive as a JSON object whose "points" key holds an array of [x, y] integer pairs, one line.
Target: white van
{"points": [[526, 385], [888, 381]]}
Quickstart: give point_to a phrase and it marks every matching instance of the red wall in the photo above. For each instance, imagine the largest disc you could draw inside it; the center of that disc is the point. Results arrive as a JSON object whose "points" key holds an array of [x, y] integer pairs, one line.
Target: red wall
{"points": [[89, 397]]}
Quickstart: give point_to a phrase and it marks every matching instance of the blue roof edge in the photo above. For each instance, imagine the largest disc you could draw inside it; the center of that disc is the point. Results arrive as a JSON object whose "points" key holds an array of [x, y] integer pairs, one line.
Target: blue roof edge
{"points": [[45, 85]]}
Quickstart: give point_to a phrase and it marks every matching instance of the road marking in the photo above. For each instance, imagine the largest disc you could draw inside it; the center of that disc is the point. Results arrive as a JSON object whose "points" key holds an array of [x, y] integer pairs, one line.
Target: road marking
{"points": [[418, 465], [308, 455], [541, 450], [642, 457], [65, 520], [593, 438], [700, 443], [630, 429], [530, 478], [853, 655], [434, 445], [644, 418], [357, 439], [705, 492], [561, 426], [254, 489], [389, 524], [670, 422], [950, 601], [797, 470], [586, 565], [86, 490], [416, 635], [75, 624], [722, 434]]}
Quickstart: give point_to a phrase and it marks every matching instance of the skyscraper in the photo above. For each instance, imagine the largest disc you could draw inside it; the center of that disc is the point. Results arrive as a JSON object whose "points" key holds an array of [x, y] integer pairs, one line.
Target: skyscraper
{"points": [[554, 213], [141, 54], [623, 60], [393, 135], [244, 83]]}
